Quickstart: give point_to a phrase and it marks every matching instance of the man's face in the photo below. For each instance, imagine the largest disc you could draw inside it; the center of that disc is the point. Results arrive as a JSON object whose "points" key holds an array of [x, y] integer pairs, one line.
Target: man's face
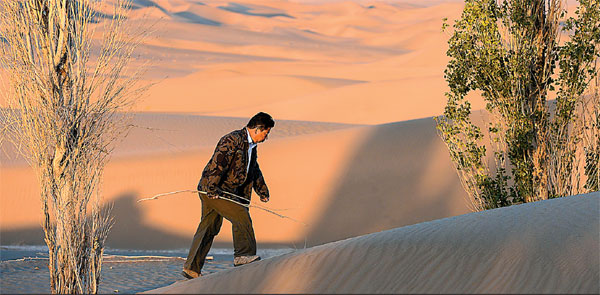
{"points": [[261, 135]]}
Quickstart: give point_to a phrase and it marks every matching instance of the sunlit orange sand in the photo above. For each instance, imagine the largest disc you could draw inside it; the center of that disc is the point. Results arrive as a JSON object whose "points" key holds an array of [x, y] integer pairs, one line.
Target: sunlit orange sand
{"points": [[353, 87], [350, 75]]}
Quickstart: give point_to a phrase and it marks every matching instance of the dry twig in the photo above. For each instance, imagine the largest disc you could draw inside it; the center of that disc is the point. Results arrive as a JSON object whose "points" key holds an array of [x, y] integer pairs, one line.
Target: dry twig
{"points": [[249, 205]]}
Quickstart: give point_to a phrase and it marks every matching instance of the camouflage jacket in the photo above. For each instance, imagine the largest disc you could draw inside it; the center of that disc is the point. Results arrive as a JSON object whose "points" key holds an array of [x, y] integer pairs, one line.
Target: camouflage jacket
{"points": [[226, 170]]}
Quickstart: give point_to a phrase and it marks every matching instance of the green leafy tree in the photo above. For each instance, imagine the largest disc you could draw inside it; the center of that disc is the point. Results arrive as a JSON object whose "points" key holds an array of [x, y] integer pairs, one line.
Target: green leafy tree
{"points": [[511, 54]]}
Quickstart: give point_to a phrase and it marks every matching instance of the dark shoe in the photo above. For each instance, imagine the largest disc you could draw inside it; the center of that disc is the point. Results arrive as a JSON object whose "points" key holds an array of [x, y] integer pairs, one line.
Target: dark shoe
{"points": [[190, 274], [241, 260]]}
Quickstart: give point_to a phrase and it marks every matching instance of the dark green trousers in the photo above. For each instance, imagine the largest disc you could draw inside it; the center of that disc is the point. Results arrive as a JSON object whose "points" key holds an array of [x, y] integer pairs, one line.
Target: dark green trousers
{"points": [[213, 211]]}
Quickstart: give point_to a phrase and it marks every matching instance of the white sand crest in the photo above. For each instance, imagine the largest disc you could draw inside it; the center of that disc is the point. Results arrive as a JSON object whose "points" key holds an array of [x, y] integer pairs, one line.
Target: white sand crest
{"points": [[548, 246]]}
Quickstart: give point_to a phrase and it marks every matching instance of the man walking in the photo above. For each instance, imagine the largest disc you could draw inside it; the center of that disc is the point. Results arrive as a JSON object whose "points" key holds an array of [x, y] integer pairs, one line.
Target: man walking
{"points": [[232, 169]]}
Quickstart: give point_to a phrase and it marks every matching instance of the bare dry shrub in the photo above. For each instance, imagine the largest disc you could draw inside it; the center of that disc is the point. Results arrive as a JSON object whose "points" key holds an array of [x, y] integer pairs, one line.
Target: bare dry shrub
{"points": [[573, 161], [65, 93]]}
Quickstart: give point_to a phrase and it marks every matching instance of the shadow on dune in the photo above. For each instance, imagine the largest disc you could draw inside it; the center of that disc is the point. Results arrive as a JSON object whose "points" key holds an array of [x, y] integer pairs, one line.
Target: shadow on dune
{"points": [[400, 175], [195, 19], [128, 231], [98, 16], [23, 236], [242, 9], [138, 4], [185, 16]]}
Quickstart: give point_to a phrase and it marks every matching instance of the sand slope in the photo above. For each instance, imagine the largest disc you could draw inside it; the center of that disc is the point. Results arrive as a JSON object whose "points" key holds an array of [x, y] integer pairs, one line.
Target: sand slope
{"points": [[549, 246], [219, 62], [342, 180]]}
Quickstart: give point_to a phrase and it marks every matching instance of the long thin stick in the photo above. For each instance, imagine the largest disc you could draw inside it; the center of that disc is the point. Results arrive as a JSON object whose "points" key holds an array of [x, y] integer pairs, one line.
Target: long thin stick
{"points": [[223, 198]]}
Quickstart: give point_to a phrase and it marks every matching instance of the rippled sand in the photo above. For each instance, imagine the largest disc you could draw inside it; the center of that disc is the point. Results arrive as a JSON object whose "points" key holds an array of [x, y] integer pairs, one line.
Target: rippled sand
{"points": [[25, 271], [545, 247]]}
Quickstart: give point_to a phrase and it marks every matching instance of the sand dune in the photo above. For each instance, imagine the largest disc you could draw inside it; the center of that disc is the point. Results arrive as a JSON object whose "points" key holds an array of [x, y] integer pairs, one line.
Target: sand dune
{"points": [[399, 98], [353, 86], [168, 134], [549, 246], [349, 64], [232, 59], [331, 176]]}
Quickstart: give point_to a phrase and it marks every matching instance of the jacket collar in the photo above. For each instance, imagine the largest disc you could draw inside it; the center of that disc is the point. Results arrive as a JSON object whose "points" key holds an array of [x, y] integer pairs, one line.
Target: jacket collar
{"points": [[248, 137]]}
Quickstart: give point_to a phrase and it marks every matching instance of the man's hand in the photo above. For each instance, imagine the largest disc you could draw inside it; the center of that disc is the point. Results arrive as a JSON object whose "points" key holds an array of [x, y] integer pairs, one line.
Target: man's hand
{"points": [[264, 198], [214, 194]]}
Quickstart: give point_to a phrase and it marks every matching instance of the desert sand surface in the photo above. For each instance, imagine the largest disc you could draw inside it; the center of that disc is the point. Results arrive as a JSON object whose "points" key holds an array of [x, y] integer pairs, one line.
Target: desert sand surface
{"points": [[341, 61], [341, 182], [550, 246], [351, 84], [353, 87]]}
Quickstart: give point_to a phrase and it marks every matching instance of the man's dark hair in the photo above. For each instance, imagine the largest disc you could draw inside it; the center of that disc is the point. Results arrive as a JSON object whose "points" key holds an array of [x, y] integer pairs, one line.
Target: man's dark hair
{"points": [[261, 121]]}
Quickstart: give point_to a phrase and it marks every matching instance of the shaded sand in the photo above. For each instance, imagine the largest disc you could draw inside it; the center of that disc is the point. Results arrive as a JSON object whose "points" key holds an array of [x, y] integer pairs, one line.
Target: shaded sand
{"points": [[342, 182], [121, 275], [123, 271], [549, 246]]}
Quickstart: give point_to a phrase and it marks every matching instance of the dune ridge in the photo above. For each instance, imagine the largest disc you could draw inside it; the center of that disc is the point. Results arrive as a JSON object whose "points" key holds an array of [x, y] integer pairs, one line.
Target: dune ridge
{"points": [[549, 246], [167, 134]]}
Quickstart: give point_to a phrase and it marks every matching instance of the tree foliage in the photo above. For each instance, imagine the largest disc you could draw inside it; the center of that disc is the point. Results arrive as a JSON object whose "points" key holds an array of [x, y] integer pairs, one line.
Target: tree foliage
{"points": [[511, 54]]}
